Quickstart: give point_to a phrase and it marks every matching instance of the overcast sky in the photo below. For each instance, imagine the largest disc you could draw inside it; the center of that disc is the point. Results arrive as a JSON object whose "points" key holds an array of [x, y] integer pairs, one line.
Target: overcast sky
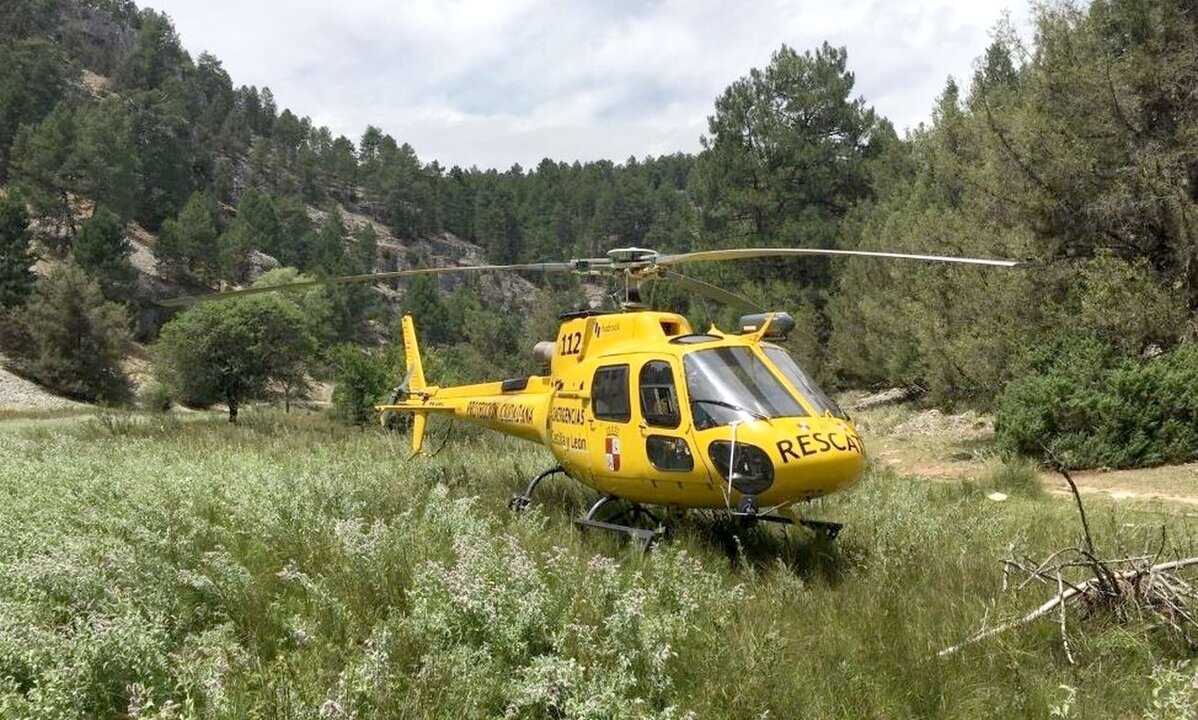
{"points": [[491, 83]]}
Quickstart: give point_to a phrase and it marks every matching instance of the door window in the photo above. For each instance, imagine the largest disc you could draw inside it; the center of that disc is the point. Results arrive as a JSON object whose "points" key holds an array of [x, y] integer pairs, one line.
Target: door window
{"points": [[609, 394], [669, 453], [659, 395]]}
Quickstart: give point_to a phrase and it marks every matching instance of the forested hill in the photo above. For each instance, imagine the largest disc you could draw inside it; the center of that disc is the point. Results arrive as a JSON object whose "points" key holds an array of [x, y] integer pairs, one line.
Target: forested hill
{"points": [[1077, 148]]}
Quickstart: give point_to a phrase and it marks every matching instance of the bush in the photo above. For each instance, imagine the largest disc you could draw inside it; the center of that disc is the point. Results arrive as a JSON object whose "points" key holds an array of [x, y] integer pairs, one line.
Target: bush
{"points": [[362, 379], [156, 397], [1092, 408]]}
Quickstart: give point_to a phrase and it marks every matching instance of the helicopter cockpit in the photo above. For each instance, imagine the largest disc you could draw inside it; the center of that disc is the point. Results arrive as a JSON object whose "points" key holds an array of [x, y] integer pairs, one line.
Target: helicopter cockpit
{"points": [[726, 384], [733, 383]]}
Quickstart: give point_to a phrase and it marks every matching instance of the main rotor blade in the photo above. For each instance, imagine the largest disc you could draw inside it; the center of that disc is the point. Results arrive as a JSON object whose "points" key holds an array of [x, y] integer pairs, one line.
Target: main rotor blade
{"points": [[746, 253], [718, 294], [366, 278]]}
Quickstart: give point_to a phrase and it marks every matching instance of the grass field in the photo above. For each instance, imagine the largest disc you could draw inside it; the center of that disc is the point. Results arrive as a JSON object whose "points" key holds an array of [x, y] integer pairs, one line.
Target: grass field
{"points": [[292, 568]]}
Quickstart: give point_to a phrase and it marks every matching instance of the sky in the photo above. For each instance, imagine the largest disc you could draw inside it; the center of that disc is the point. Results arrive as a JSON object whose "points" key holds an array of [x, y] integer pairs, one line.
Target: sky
{"points": [[495, 82]]}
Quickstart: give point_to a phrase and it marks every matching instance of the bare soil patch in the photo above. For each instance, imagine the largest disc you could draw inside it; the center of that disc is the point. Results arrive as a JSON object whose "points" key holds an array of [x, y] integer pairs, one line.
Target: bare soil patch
{"points": [[961, 446]]}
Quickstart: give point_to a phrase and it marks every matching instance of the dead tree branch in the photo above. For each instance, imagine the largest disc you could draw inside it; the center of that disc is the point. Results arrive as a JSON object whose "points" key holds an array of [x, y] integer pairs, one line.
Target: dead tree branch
{"points": [[1148, 588]]}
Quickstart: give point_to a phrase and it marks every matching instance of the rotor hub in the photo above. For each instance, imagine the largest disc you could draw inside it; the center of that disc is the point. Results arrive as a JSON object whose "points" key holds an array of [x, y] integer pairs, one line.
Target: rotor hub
{"points": [[632, 259]]}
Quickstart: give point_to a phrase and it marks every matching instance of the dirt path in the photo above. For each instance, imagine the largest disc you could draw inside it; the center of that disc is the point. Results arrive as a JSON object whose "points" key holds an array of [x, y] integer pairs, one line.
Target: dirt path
{"points": [[961, 447]]}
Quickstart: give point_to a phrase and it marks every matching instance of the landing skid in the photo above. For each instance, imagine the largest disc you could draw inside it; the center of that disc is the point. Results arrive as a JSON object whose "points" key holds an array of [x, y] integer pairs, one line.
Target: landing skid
{"points": [[823, 528], [645, 537], [828, 530], [520, 501]]}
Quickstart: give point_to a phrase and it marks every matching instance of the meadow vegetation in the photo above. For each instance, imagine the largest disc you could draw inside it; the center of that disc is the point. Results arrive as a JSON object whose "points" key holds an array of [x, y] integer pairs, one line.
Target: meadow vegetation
{"points": [[294, 567]]}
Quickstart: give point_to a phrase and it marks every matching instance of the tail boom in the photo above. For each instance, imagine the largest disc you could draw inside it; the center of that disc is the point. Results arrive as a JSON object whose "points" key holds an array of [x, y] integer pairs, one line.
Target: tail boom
{"points": [[516, 407]]}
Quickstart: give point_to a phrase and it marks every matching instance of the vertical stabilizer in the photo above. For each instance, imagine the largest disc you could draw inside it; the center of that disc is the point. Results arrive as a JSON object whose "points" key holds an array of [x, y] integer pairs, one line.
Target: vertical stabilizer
{"points": [[414, 380], [411, 353]]}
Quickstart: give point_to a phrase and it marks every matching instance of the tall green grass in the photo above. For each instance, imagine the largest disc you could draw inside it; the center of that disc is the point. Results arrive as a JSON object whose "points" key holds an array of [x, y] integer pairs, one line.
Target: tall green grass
{"points": [[293, 568]]}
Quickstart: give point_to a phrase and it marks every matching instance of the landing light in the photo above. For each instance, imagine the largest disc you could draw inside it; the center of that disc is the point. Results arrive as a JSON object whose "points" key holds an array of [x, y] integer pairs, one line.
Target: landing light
{"points": [[752, 470]]}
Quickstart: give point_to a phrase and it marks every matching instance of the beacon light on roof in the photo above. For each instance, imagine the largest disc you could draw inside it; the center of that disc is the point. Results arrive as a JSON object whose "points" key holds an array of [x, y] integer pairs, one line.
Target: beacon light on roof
{"points": [[780, 324]]}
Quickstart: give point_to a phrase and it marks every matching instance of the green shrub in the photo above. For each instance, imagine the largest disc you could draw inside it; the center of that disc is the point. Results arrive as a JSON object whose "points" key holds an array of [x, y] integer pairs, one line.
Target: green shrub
{"points": [[235, 350], [1092, 408], [362, 380], [1014, 476], [156, 397]]}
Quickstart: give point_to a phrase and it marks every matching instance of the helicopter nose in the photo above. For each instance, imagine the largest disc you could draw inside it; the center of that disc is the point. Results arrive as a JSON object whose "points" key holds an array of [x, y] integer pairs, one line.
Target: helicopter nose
{"points": [[819, 455]]}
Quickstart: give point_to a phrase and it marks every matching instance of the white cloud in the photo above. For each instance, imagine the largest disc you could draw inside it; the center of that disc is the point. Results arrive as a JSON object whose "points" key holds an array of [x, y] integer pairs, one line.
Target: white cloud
{"points": [[491, 82]]}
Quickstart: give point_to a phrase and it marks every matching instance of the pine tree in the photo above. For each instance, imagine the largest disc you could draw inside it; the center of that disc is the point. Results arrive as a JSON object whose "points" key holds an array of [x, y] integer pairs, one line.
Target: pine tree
{"points": [[355, 301], [190, 243], [341, 167], [295, 233], [786, 154], [33, 77], [328, 254], [257, 213], [16, 279], [365, 251], [163, 133], [102, 250], [156, 56], [423, 300], [104, 159], [40, 165], [78, 337]]}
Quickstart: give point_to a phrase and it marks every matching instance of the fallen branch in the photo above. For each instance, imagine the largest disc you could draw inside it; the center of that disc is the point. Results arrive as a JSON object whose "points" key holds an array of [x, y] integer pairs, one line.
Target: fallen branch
{"points": [[1064, 636], [1149, 587], [1065, 595]]}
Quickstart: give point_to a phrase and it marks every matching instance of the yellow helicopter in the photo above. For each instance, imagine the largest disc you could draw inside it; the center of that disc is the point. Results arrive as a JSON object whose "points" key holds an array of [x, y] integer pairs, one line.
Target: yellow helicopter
{"points": [[642, 408]]}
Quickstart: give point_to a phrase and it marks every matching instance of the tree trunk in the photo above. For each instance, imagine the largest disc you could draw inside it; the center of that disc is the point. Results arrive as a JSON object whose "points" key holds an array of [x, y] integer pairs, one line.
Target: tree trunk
{"points": [[231, 399]]}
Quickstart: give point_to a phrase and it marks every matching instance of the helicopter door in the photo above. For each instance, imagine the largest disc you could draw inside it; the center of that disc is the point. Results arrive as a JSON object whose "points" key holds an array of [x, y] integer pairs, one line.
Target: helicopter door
{"points": [[664, 434], [613, 437]]}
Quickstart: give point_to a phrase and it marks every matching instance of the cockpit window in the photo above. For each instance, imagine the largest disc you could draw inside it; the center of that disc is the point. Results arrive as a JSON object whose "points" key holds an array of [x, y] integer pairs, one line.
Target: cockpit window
{"points": [[732, 383], [820, 402]]}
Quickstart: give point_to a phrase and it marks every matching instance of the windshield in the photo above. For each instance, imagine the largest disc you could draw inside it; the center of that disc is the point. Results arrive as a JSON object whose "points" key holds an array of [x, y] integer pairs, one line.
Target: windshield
{"points": [[820, 402], [732, 383]]}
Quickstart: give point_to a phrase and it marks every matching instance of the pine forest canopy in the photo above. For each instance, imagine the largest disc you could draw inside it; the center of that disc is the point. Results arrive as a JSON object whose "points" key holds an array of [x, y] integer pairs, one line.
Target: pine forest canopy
{"points": [[1079, 150]]}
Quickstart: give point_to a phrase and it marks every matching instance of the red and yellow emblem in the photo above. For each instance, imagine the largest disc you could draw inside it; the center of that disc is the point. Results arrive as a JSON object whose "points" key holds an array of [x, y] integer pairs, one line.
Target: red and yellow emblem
{"points": [[611, 452]]}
